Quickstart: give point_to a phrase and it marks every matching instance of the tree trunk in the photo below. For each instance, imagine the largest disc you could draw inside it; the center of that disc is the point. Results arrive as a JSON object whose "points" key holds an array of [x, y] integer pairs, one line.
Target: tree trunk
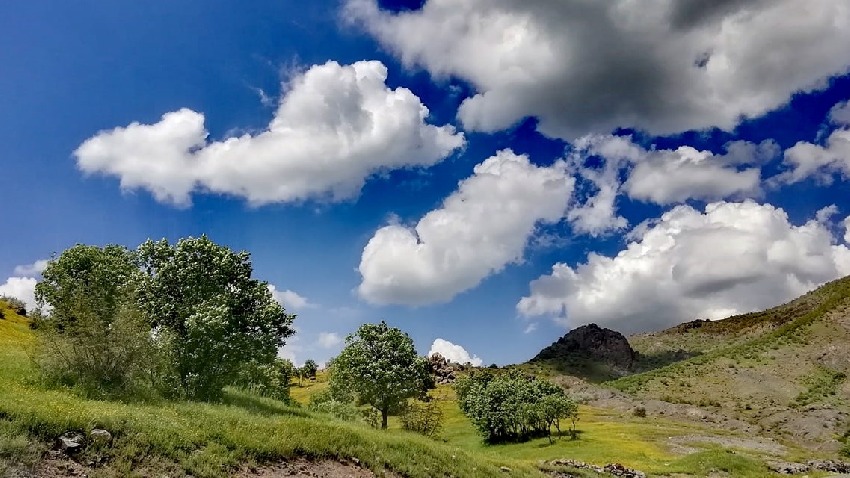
{"points": [[384, 415]]}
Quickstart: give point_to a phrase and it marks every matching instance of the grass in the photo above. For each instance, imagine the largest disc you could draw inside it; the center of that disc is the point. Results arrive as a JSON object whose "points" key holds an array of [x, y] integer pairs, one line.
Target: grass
{"points": [[211, 440], [822, 384], [826, 299]]}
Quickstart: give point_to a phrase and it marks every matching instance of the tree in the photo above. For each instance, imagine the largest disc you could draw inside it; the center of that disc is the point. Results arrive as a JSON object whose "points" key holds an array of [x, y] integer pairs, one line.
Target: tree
{"points": [[513, 406], [201, 298], [310, 368], [94, 336], [380, 366]]}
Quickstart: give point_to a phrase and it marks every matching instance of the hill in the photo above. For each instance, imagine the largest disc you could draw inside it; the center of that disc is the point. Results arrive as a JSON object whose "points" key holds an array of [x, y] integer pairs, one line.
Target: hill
{"points": [[590, 352], [782, 370], [242, 433]]}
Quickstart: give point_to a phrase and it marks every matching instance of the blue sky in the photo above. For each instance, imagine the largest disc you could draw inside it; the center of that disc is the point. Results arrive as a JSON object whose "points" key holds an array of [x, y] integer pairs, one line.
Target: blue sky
{"points": [[487, 173]]}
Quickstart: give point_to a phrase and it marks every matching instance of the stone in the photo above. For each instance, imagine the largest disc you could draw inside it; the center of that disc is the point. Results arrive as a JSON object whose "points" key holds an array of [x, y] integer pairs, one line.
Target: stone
{"points": [[71, 442], [100, 437]]}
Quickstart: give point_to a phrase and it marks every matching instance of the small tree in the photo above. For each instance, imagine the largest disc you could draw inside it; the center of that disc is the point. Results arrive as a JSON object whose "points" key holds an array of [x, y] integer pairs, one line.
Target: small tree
{"points": [[94, 336], [380, 366], [310, 368]]}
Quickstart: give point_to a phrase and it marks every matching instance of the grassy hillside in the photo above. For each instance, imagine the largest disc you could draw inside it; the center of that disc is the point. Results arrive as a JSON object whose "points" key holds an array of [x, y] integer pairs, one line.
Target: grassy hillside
{"points": [[211, 440], [783, 369], [207, 440]]}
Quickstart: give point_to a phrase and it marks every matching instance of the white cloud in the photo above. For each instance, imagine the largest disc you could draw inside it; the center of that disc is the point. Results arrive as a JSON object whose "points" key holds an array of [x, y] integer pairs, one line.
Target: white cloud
{"points": [[329, 340], [454, 353], [530, 328], [479, 228], [22, 288], [659, 176], [334, 128], [840, 114], [290, 299], [847, 229], [821, 162], [663, 66], [31, 270], [291, 350], [734, 257]]}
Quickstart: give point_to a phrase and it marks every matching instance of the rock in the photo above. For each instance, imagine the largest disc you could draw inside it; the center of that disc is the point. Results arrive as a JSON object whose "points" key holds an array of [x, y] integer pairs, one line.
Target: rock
{"points": [[505, 469], [830, 466], [100, 437], [71, 442], [788, 468], [594, 343], [444, 371]]}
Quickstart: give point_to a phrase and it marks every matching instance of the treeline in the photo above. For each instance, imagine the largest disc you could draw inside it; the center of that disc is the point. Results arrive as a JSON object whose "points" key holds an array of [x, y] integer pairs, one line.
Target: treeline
{"points": [[513, 406], [177, 320]]}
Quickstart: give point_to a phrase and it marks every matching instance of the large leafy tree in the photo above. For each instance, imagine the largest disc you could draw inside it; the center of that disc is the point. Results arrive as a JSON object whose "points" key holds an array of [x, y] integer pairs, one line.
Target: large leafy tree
{"points": [[380, 366], [200, 296]]}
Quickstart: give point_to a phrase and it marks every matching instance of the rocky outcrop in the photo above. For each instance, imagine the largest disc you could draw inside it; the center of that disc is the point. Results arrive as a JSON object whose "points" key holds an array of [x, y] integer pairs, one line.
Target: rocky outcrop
{"points": [[594, 343], [444, 371], [614, 469]]}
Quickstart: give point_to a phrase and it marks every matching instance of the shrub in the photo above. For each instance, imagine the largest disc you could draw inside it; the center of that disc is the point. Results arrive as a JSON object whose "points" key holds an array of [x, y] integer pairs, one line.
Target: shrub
{"points": [[268, 380], [639, 412], [422, 417]]}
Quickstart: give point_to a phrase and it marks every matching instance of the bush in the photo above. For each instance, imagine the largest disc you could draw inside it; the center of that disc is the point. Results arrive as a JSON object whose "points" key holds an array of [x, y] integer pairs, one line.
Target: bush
{"points": [[268, 380], [115, 360], [639, 412], [513, 406], [327, 402], [15, 304], [422, 417]]}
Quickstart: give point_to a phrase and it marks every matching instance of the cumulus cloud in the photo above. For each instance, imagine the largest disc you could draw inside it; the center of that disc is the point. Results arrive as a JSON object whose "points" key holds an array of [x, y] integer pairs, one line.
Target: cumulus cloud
{"points": [[663, 66], [335, 127], [608, 165], [290, 300], [731, 258], [454, 353], [22, 288], [479, 228], [31, 270], [329, 340], [822, 162]]}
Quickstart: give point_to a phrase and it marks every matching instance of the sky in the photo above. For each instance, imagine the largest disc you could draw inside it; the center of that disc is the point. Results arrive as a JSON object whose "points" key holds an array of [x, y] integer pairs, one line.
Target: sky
{"points": [[484, 174]]}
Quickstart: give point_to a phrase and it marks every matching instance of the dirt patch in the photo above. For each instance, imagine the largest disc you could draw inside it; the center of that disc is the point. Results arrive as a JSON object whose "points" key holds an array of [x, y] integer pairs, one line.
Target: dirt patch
{"points": [[57, 465], [301, 468], [759, 445]]}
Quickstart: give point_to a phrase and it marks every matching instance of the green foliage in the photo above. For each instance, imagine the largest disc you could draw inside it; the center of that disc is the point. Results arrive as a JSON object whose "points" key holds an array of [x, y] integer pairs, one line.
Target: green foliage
{"points": [[310, 368], [15, 304], [95, 338], [326, 402], [200, 297], [267, 380], [823, 384], [513, 406], [379, 366], [422, 417]]}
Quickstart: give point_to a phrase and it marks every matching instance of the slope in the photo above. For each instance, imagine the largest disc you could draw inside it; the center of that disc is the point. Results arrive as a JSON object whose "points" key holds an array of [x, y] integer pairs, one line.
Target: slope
{"points": [[783, 370]]}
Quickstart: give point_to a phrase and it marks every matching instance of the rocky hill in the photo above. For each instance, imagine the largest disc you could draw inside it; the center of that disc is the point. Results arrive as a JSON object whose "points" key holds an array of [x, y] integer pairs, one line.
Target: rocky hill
{"points": [[590, 352], [783, 370]]}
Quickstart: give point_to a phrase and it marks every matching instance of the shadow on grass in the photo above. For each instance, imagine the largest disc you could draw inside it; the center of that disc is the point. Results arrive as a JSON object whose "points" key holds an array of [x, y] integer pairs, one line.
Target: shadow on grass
{"points": [[260, 405], [645, 363]]}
